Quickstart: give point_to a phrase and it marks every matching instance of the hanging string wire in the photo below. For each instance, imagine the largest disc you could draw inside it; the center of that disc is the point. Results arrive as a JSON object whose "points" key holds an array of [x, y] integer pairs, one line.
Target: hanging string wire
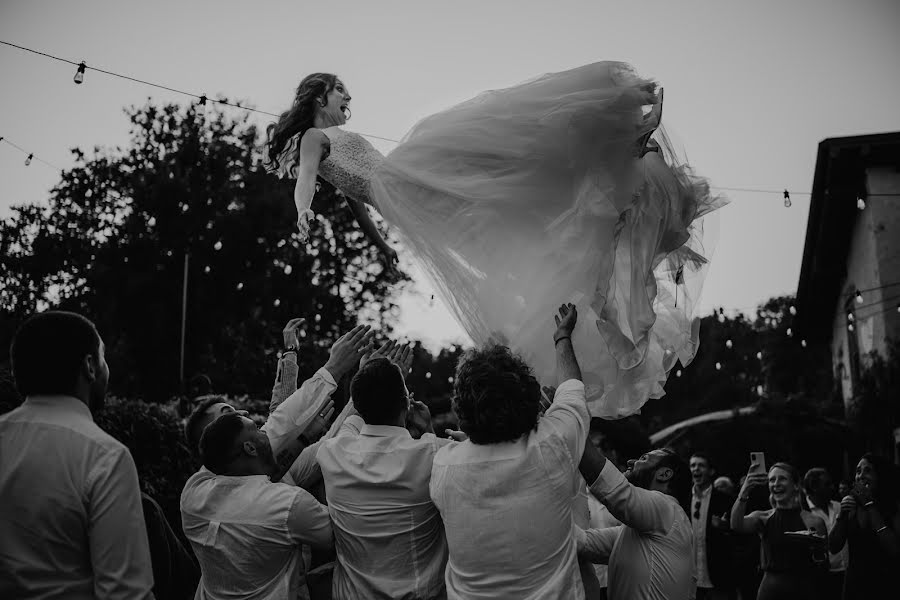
{"points": [[160, 86], [27, 153]]}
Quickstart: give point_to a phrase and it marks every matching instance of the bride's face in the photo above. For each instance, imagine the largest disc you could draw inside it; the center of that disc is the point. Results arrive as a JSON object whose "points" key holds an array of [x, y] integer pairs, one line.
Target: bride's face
{"points": [[337, 103]]}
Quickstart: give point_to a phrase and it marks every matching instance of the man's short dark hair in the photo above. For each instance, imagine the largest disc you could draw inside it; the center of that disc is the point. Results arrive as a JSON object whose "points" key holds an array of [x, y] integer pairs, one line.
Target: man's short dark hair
{"points": [[378, 392], [495, 395], [814, 479], [704, 456], [681, 484], [192, 431], [217, 441], [48, 350]]}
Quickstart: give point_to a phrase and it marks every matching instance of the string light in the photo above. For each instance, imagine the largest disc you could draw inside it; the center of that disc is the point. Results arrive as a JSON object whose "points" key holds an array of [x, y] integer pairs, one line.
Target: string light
{"points": [[787, 199], [790, 332], [850, 316], [206, 269], [277, 302], [759, 355], [850, 327], [79, 74], [860, 203], [28, 160], [678, 373], [803, 343], [288, 269], [728, 344], [718, 366], [759, 390], [240, 286], [218, 245], [859, 298], [792, 310]]}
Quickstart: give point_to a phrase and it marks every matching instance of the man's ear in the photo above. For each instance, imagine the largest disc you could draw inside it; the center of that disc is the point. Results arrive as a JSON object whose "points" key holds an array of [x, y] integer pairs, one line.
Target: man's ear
{"points": [[90, 367], [664, 474], [250, 448]]}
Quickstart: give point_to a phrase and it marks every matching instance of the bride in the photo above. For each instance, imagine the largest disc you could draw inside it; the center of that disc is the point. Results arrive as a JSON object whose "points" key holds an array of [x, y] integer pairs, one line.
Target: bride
{"points": [[526, 198]]}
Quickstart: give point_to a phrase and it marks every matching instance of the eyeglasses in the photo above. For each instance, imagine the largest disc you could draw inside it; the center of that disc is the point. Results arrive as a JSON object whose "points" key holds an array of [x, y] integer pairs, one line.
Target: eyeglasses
{"points": [[697, 509]]}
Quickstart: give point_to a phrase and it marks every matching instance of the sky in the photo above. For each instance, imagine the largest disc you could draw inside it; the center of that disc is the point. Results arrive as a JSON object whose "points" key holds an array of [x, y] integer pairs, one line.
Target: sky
{"points": [[751, 89]]}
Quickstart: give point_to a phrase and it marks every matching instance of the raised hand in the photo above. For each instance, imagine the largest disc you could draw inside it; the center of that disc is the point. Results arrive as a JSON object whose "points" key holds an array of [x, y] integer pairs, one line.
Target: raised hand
{"points": [[849, 505], [565, 322], [418, 419], [401, 355], [753, 480], [347, 350], [369, 352], [291, 332]]}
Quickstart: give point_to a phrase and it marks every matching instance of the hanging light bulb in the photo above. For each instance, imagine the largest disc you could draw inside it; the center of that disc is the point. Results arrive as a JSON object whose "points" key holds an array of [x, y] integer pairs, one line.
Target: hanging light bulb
{"points": [[718, 366], [218, 245], [277, 302], [759, 355], [728, 344], [860, 203], [792, 310], [850, 316], [288, 269], [678, 373], [759, 390], [803, 343], [790, 332], [79, 74], [202, 101], [240, 286], [428, 375], [859, 298], [28, 160], [787, 199], [206, 269], [850, 327]]}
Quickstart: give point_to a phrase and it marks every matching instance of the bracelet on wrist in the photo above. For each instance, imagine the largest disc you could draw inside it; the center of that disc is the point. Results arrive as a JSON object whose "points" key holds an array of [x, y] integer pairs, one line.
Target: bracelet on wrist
{"points": [[744, 498], [561, 338]]}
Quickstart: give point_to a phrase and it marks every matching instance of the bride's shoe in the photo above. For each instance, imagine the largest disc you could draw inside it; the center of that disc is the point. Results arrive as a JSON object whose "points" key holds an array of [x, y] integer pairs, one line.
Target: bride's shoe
{"points": [[651, 123], [303, 221]]}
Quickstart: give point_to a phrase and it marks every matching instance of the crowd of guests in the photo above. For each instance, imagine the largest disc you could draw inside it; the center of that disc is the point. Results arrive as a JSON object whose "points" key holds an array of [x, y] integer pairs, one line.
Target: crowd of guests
{"points": [[365, 500]]}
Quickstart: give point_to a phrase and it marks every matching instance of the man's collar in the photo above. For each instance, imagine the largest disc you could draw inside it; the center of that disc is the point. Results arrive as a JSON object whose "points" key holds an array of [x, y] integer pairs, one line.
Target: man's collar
{"points": [[703, 492], [384, 431], [62, 403]]}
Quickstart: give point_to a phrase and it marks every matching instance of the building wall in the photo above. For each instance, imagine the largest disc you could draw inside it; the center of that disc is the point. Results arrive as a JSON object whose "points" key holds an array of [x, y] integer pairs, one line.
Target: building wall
{"points": [[873, 262]]}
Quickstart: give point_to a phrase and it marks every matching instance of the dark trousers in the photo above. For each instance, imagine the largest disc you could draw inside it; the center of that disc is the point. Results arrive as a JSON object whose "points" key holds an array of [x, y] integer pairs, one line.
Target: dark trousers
{"points": [[716, 593]]}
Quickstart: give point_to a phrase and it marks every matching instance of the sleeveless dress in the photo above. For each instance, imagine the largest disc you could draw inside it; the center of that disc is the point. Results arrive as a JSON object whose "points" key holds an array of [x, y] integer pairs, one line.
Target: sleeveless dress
{"points": [[525, 198], [787, 563]]}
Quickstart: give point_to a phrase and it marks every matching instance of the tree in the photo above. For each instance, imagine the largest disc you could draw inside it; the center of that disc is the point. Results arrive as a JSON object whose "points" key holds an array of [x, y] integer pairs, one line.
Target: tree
{"points": [[112, 243]]}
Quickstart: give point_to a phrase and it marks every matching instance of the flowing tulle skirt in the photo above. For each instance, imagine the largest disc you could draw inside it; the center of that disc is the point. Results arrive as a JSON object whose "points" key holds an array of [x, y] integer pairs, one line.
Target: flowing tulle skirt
{"points": [[525, 198]]}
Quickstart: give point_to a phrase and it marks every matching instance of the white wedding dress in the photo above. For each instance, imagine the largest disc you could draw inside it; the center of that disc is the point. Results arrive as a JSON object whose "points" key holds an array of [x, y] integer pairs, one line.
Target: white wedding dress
{"points": [[526, 198]]}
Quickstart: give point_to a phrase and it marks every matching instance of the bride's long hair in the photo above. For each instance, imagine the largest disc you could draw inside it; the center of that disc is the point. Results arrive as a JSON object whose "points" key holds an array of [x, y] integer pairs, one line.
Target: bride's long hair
{"points": [[298, 118]]}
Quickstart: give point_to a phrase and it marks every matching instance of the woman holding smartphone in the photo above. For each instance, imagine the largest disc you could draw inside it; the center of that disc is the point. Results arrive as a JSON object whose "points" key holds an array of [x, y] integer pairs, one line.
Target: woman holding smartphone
{"points": [[870, 523], [793, 540]]}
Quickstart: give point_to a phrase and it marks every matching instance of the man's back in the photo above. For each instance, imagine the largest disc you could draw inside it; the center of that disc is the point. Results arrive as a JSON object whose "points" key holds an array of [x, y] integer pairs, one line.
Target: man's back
{"points": [[389, 536], [71, 522], [246, 533], [507, 508]]}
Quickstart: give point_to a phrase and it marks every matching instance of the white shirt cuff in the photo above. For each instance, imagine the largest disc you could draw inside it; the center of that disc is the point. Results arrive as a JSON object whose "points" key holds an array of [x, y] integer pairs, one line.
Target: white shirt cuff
{"points": [[609, 479], [323, 372]]}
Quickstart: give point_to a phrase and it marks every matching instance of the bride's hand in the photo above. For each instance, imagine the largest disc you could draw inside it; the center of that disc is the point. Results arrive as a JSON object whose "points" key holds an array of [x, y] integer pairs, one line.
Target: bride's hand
{"points": [[390, 258]]}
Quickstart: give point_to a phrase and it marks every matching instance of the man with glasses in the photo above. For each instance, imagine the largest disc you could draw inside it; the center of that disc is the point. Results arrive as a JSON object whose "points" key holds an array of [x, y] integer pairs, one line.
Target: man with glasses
{"points": [[710, 511]]}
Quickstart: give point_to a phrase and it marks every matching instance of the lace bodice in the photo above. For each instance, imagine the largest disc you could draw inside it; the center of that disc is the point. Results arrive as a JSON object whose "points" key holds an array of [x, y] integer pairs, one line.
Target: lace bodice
{"points": [[350, 164]]}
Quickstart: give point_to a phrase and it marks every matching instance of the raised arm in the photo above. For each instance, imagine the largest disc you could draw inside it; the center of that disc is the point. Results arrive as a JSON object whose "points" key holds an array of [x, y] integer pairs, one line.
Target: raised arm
{"points": [[368, 227], [286, 373], [596, 545], [566, 364], [741, 522], [312, 147]]}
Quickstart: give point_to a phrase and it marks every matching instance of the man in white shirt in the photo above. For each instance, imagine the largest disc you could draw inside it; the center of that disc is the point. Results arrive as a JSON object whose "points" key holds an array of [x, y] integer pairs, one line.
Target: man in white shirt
{"points": [[246, 530], [506, 494], [650, 555], [71, 522], [819, 489], [388, 534]]}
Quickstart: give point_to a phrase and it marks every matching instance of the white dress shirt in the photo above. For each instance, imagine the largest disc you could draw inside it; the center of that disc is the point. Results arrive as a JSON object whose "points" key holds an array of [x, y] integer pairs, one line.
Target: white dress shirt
{"points": [[837, 563], [246, 533], [71, 522], [651, 555], [388, 534], [507, 508], [600, 518], [698, 525]]}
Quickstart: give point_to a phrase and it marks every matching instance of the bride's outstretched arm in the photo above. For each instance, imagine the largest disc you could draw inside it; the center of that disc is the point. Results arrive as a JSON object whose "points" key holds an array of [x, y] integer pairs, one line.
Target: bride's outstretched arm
{"points": [[367, 225], [312, 145]]}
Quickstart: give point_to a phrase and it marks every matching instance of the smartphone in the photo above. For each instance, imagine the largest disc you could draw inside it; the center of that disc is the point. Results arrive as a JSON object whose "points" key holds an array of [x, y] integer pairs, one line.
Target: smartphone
{"points": [[757, 462]]}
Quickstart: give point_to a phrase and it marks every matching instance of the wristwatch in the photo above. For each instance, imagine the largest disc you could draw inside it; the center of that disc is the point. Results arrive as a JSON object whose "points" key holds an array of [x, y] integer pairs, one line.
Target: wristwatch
{"points": [[291, 348]]}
